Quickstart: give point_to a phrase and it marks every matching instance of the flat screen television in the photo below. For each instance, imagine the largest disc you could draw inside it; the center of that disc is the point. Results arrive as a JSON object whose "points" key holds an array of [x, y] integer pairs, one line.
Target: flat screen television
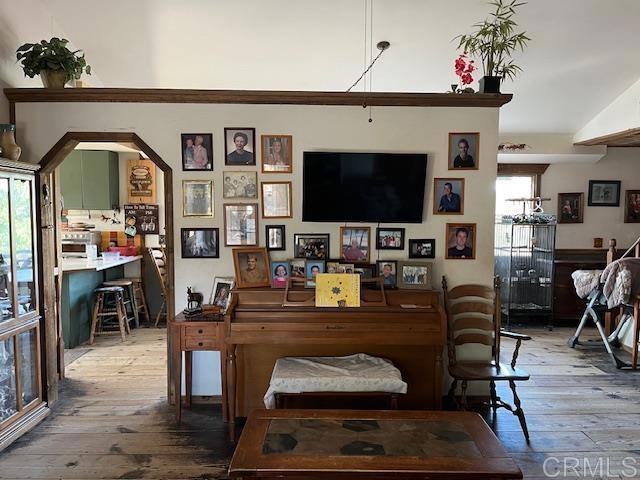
{"points": [[363, 187]]}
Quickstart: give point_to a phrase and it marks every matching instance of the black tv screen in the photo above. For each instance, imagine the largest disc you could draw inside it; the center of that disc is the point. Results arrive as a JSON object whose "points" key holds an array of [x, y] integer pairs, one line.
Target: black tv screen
{"points": [[363, 187]]}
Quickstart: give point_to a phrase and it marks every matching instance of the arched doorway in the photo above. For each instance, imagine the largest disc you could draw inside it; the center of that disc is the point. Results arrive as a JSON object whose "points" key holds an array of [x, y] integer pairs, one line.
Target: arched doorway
{"points": [[47, 245]]}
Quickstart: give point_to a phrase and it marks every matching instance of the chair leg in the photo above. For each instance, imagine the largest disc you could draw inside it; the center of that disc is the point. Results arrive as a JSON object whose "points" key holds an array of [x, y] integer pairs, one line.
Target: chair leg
{"points": [[494, 404], [463, 395], [160, 312], [518, 411], [452, 392], [94, 320], [143, 302], [122, 317]]}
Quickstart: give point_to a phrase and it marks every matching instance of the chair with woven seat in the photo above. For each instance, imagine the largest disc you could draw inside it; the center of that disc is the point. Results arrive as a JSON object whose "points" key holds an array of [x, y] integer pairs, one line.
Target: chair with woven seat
{"points": [[473, 317]]}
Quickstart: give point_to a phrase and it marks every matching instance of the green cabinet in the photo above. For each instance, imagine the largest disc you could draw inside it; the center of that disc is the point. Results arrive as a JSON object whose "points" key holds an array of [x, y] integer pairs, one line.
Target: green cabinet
{"points": [[89, 180]]}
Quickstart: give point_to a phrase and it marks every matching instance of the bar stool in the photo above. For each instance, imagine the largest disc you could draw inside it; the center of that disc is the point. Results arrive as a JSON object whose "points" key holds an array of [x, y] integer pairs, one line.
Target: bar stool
{"points": [[131, 308], [109, 303], [139, 297]]}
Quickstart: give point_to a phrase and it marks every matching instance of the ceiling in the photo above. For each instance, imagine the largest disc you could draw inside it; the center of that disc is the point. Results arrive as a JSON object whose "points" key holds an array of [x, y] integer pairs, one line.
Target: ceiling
{"points": [[578, 61]]}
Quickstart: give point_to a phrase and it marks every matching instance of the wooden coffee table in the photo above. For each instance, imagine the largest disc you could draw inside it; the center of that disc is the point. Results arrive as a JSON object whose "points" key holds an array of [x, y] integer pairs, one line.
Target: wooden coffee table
{"points": [[360, 444]]}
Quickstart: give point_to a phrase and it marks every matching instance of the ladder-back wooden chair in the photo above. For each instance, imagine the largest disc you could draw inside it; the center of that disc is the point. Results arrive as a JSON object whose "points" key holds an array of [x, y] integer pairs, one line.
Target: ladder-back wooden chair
{"points": [[159, 258], [473, 317]]}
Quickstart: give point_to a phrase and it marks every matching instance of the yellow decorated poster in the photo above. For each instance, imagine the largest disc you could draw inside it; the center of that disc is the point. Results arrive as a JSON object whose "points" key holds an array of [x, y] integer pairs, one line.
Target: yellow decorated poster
{"points": [[337, 290]]}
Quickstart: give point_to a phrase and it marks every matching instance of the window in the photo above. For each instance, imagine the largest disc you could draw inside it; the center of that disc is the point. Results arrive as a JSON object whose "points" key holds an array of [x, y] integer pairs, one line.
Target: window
{"points": [[520, 186]]}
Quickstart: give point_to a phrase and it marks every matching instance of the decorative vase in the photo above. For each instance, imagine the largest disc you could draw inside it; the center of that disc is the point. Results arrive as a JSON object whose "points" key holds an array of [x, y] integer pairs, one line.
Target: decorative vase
{"points": [[10, 149], [490, 84], [54, 78]]}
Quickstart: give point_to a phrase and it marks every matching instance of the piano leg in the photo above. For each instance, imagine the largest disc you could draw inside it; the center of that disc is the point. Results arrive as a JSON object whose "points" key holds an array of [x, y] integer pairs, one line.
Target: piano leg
{"points": [[231, 390]]}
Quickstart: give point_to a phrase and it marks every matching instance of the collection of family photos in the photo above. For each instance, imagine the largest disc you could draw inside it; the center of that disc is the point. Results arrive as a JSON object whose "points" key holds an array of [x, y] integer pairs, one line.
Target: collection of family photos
{"points": [[602, 193], [252, 264]]}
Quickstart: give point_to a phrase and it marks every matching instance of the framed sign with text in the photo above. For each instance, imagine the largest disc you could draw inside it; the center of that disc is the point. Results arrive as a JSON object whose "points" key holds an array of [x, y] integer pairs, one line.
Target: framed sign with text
{"points": [[141, 181], [141, 219]]}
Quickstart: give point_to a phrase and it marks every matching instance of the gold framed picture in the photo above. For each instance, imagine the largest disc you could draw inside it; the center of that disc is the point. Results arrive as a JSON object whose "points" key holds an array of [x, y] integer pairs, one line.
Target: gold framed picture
{"points": [[277, 153], [448, 196], [197, 198], [276, 199], [251, 265], [461, 241], [464, 150]]}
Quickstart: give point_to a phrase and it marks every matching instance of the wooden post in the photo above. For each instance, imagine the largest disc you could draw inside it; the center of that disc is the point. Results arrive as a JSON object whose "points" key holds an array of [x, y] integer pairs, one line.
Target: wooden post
{"points": [[611, 256]]}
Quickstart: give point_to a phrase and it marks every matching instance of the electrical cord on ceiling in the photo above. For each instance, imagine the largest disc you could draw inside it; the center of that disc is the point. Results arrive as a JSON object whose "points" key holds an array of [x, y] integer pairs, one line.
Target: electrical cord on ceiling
{"points": [[385, 46]]}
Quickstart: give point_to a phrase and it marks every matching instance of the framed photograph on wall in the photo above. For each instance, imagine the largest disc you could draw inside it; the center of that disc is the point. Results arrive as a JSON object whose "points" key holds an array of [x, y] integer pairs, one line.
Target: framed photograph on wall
{"points": [[390, 238], [422, 248], [604, 193], [277, 153], [354, 244], [197, 152], [240, 185], [461, 241], [200, 242], [571, 207], [221, 292], [314, 246], [448, 196], [279, 273], [415, 275], [632, 206], [240, 224], [275, 235], [388, 270], [240, 146], [464, 150], [251, 265], [197, 198], [276, 199]]}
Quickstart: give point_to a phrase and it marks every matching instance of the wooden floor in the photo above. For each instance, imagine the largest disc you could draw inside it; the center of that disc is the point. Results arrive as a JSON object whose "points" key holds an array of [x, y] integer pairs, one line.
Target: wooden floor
{"points": [[113, 421]]}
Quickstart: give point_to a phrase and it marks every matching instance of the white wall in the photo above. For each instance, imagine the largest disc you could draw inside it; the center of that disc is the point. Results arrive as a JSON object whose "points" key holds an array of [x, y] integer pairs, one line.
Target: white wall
{"points": [[606, 222], [394, 129]]}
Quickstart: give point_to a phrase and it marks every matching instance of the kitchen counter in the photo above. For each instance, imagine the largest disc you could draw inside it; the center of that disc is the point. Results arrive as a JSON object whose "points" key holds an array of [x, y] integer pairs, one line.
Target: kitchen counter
{"points": [[74, 264]]}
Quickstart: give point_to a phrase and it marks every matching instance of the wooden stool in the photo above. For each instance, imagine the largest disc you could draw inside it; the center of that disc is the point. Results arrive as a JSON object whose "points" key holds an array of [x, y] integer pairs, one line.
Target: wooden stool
{"points": [[105, 295], [131, 307], [139, 297]]}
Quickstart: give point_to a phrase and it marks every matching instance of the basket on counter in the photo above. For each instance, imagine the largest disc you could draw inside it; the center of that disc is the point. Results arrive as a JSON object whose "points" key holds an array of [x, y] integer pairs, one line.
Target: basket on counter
{"points": [[128, 251]]}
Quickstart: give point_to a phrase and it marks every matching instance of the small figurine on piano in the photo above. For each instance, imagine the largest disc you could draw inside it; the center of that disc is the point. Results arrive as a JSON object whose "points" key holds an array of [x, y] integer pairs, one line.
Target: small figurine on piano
{"points": [[194, 302]]}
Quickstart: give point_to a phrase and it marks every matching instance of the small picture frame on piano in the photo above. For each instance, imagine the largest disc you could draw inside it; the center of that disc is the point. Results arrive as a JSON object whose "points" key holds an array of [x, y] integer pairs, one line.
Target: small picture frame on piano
{"points": [[415, 275]]}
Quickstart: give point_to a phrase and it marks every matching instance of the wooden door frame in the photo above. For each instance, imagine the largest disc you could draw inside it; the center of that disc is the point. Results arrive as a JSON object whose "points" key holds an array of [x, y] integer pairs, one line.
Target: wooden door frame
{"points": [[47, 247]]}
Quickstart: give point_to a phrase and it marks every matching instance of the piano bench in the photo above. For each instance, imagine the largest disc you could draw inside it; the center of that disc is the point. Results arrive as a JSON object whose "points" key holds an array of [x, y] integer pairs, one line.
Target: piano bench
{"points": [[338, 400]]}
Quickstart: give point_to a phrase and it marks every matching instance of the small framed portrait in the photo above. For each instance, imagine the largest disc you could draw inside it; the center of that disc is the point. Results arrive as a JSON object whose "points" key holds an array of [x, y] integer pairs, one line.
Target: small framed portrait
{"points": [[604, 193], [200, 242], [390, 238], [240, 146], [571, 207], [354, 244], [346, 268], [314, 246], [461, 241], [251, 265], [197, 152], [275, 237], [240, 224], [332, 266], [464, 150], [221, 292], [277, 154], [197, 198], [312, 268], [388, 271], [297, 268], [422, 248], [448, 196], [240, 185], [279, 274], [416, 275], [276, 199], [365, 271], [632, 206]]}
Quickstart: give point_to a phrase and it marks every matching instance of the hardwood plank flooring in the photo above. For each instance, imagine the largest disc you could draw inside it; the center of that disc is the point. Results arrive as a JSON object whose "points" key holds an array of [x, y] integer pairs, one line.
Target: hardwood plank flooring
{"points": [[113, 420]]}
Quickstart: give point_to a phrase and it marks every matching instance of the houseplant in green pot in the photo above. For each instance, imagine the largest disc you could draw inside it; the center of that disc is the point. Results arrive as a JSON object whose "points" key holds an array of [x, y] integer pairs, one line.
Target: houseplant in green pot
{"points": [[495, 41], [53, 61]]}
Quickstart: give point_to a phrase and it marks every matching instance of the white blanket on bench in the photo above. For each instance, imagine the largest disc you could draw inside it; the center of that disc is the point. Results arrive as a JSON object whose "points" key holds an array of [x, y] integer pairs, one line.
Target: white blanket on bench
{"points": [[353, 373]]}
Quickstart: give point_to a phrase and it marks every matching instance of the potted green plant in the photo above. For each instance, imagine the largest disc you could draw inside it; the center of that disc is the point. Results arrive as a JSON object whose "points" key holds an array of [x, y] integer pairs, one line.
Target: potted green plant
{"points": [[53, 61], [494, 41]]}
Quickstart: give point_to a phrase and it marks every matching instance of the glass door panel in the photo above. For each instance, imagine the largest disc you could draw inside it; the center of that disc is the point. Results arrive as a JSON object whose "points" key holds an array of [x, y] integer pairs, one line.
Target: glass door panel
{"points": [[8, 395], [6, 283], [28, 352], [23, 244]]}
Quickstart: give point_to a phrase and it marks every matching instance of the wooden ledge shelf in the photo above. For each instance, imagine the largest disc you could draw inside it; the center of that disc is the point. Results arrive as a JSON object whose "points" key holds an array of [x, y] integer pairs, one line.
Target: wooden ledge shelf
{"points": [[155, 95]]}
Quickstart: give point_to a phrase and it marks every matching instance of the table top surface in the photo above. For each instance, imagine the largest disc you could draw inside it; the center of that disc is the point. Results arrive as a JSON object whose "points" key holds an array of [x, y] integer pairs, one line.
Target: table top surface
{"points": [[344, 443], [71, 264]]}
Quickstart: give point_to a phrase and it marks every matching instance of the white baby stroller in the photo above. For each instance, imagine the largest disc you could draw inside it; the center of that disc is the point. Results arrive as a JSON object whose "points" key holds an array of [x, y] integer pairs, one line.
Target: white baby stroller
{"points": [[609, 291]]}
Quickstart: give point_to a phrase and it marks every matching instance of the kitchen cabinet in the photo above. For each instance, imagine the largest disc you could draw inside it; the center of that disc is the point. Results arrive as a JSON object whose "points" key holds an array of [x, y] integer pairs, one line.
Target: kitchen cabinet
{"points": [[89, 180], [21, 393]]}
